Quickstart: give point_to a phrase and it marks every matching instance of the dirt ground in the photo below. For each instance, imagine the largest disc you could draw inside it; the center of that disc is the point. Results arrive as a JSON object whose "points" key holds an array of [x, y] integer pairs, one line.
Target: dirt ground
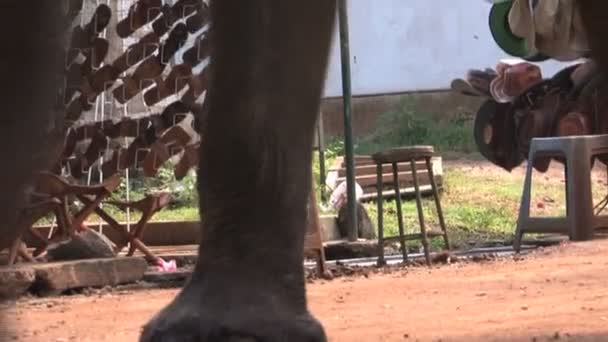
{"points": [[559, 293], [555, 173]]}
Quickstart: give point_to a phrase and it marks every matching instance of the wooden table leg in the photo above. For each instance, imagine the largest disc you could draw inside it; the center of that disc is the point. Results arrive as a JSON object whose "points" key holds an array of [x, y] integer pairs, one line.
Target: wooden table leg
{"points": [[121, 229], [139, 230]]}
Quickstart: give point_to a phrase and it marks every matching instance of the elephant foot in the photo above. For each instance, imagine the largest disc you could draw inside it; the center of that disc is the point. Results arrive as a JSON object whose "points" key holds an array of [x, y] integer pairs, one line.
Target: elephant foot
{"points": [[195, 317]]}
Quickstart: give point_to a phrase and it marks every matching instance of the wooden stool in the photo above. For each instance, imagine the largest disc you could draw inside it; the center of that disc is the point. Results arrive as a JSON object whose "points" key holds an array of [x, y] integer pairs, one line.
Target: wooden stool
{"points": [[148, 206], [58, 187], [50, 196], [581, 221], [393, 157], [41, 207]]}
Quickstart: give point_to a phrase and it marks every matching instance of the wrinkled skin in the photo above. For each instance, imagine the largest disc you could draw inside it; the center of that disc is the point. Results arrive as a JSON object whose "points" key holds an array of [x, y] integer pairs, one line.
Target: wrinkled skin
{"points": [[268, 69], [31, 124], [255, 176]]}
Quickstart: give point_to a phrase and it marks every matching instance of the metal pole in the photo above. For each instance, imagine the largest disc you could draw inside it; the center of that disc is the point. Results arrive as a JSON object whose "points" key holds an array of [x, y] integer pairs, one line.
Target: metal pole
{"points": [[321, 143], [348, 127]]}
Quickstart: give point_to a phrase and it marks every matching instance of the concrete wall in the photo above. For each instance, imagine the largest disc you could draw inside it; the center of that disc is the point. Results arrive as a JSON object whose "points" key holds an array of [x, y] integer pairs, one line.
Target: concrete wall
{"points": [[179, 233], [367, 109], [414, 45], [397, 47]]}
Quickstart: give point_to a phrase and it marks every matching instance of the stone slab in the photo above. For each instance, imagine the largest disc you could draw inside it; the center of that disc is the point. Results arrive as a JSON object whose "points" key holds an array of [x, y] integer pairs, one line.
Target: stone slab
{"points": [[15, 281], [55, 278], [88, 244], [181, 259], [341, 249], [329, 227], [179, 276]]}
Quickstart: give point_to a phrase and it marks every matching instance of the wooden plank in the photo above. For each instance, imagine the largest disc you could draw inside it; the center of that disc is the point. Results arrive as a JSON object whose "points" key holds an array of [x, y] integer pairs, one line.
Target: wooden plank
{"points": [[403, 186], [365, 176], [404, 182], [365, 160], [412, 237], [387, 178], [339, 168], [56, 277], [370, 169], [405, 192], [340, 163]]}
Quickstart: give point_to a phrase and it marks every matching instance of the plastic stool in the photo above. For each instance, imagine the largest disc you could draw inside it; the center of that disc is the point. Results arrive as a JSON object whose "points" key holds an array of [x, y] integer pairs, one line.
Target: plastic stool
{"points": [[411, 155], [580, 221]]}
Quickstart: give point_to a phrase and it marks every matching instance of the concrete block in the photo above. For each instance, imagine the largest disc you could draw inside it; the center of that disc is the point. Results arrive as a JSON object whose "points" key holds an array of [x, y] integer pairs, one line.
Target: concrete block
{"points": [[337, 250], [15, 281], [54, 278]]}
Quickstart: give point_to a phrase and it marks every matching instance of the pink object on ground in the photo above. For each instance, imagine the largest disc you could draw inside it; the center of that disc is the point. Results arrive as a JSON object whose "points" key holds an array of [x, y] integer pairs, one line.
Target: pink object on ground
{"points": [[164, 266]]}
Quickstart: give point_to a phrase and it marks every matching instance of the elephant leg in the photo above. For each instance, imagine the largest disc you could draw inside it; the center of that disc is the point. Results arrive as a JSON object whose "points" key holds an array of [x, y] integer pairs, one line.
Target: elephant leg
{"points": [[31, 81], [267, 73], [594, 15]]}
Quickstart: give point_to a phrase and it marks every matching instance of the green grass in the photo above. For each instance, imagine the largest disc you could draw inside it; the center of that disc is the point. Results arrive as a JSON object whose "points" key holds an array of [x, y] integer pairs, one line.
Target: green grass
{"points": [[466, 211], [404, 126], [472, 213], [481, 207], [478, 206], [169, 214]]}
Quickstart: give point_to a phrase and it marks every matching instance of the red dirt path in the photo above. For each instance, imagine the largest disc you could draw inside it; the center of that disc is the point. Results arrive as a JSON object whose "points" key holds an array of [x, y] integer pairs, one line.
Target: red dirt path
{"points": [[556, 294]]}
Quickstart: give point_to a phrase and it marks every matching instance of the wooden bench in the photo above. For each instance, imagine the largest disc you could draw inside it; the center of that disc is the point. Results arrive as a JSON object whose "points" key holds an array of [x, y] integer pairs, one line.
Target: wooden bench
{"points": [[148, 206], [366, 177], [52, 193], [57, 189]]}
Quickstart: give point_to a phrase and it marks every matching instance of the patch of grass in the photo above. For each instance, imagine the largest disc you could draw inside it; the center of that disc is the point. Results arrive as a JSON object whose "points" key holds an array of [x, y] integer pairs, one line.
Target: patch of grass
{"points": [[169, 214], [333, 149], [183, 207], [480, 209], [472, 214], [183, 191], [480, 206], [404, 126], [477, 206]]}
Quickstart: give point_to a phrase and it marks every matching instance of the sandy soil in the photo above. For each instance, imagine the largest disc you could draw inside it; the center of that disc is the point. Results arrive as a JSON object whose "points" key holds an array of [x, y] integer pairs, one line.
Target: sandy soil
{"points": [[555, 294], [555, 173]]}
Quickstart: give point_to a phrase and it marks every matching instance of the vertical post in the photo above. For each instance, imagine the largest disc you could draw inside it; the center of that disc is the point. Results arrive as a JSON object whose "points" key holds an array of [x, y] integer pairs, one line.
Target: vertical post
{"points": [[348, 128], [321, 145]]}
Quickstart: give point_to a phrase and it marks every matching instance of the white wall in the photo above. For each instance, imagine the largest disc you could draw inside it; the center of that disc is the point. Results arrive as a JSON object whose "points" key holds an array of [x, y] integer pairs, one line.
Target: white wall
{"points": [[412, 45]]}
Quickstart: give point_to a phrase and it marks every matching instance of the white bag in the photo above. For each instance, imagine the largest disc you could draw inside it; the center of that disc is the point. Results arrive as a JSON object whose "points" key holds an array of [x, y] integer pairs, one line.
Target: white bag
{"points": [[553, 27]]}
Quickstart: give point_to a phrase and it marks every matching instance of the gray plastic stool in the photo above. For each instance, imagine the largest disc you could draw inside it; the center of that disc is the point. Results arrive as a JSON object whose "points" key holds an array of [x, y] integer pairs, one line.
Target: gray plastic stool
{"points": [[580, 221]]}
